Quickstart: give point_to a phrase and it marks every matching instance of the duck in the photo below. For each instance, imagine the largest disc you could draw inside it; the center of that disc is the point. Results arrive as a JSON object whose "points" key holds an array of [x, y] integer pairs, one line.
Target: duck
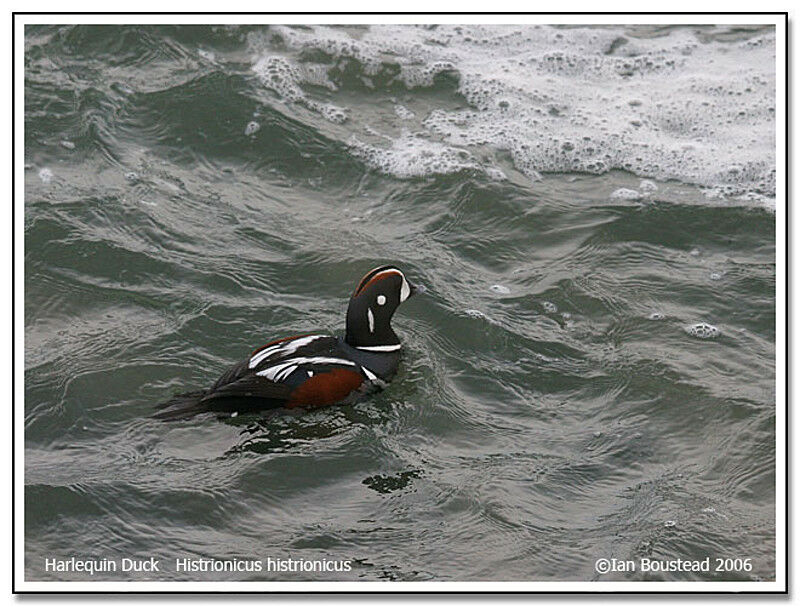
{"points": [[312, 370]]}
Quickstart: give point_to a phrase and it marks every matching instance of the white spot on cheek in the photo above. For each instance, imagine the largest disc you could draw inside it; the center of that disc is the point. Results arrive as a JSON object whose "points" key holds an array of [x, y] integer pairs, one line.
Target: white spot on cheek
{"points": [[371, 319], [310, 373], [381, 300]]}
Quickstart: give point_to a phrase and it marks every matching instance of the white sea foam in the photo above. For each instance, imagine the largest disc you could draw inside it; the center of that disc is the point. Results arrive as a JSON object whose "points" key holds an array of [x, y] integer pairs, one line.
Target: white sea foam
{"points": [[624, 193], [664, 104], [403, 112], [284, 78], [46, 175], [647, 187], [702, 330], [410, 156], [207, 55]]}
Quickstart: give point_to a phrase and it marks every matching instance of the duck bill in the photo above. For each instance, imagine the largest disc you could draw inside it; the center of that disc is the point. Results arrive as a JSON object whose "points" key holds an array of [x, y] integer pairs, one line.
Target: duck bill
{"points": [[416, 289]]}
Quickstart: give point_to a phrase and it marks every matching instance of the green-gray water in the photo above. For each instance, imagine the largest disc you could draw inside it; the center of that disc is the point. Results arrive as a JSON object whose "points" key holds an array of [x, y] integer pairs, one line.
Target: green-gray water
{"points": [[193, 192]]}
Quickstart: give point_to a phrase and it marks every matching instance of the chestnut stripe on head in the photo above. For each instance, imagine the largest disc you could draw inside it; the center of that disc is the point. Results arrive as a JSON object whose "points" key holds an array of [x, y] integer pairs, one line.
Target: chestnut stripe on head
{"points": [[369, 274], [377, 274]]}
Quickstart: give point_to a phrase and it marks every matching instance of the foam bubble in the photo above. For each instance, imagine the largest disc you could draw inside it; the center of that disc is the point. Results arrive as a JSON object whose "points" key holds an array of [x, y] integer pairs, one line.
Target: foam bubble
{"points": [[333, 113], [284, 78], [549, 307], [680, 105], [411, 156], [656, 315], [279, 75], [495, 174], [647, 187], [403, 112], [625, 194], [207, 55], [701, 330], [46, 175], [479, 315], [500, 289]]}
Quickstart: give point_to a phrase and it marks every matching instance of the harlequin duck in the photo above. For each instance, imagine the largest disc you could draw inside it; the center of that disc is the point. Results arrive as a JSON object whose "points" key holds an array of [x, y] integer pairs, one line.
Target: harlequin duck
{"points": [[313, 370]]}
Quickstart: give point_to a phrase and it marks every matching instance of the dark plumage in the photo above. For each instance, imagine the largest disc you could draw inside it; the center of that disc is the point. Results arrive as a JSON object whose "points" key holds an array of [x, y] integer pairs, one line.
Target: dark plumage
{"points": [[312, 370]]}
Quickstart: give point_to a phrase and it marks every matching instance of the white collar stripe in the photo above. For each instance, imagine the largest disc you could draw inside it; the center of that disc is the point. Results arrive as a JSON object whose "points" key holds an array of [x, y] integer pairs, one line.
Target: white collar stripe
{"points": [[394, 347]]}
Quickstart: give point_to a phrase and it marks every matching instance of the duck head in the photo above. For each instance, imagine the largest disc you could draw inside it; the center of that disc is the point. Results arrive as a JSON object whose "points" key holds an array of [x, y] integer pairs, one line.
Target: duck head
{"points": [[377, 296]]}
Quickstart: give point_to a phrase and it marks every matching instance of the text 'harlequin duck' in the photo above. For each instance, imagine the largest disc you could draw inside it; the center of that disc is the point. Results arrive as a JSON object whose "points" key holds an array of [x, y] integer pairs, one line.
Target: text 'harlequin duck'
{"points": [[313, 370]]}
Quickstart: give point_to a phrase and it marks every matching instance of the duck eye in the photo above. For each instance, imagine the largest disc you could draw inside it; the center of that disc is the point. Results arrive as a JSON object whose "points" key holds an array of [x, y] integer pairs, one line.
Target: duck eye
{"points": [[381, 300]]}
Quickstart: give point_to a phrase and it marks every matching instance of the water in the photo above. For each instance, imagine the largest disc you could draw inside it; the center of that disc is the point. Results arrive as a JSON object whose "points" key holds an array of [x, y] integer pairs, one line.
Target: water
{"points": [[591, 373]]}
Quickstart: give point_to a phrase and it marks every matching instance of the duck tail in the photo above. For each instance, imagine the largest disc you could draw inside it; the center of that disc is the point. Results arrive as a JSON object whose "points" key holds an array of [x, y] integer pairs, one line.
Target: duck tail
{"points": [[182, 406]]}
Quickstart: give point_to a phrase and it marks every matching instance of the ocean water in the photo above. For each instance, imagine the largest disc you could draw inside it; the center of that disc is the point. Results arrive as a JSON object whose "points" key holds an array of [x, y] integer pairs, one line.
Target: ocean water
{"points": [[591, 373]]}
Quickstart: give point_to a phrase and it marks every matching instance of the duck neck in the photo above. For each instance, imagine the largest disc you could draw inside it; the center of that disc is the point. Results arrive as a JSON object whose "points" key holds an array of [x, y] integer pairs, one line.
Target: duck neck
{"points": [[367, 329]]}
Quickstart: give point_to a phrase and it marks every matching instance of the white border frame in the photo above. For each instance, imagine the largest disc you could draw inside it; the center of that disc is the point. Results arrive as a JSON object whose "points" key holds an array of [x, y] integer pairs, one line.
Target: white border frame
{"points": [[780, 583]]}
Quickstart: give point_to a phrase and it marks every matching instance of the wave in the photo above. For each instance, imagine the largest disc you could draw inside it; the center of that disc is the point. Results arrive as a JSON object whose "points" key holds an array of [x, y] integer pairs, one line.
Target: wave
{"points": [[690, 104]]}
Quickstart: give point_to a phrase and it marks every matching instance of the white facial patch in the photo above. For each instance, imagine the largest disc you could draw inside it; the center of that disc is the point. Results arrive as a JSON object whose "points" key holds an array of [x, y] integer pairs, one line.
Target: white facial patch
{"points": [[381, 300], [405, 290], [371, 320]]}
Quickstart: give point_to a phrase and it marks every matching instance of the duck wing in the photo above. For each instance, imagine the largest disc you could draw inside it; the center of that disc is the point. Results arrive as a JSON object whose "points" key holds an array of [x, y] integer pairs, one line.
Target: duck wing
{"points": [[296, 371]]}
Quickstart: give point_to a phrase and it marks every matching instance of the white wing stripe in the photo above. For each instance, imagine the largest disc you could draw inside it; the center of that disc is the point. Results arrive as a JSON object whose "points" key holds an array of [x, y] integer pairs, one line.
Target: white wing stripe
{"points": [[272, 372], [285, 374], [261, 355], [286, 347]]}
